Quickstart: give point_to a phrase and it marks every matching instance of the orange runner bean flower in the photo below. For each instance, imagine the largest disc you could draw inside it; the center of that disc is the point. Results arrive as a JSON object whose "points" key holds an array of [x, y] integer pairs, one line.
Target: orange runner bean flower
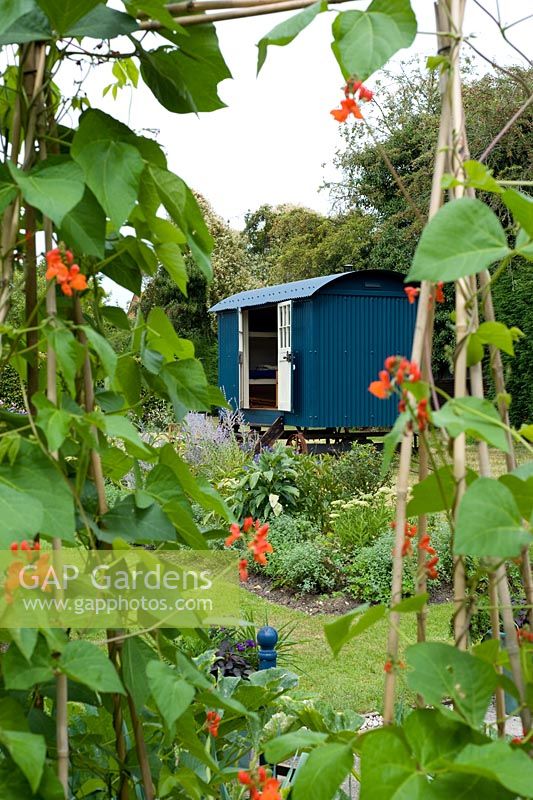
{"points": [[422, 414], [379, 390], [407, 548], [439, 292], [270, 790], [260, 785], [235, 533], [243, 570], [258, 544], [410, 530], [412, 293], [389, 665], [354, 91], [430, 567], [67, 274], [41, 568], [348, 106], [212, 721], [425, 544], [397, 369]]}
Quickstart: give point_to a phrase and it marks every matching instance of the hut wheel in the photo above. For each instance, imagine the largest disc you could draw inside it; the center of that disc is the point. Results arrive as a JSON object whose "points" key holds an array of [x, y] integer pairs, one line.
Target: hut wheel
{"points": [[298, 442]]}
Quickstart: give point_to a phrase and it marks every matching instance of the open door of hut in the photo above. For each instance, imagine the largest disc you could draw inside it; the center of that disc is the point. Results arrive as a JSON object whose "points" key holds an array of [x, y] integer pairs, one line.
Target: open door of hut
{"points": [[285, 356], [244, 385]]}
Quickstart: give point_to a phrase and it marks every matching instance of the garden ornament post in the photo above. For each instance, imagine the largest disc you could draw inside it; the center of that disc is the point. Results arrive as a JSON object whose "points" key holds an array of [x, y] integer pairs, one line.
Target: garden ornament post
{"points": [[267, 638]]}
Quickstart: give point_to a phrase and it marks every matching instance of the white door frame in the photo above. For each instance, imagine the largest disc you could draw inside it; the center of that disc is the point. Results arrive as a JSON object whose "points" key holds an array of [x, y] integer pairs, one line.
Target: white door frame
{"points": [[285, 366], [244, 371]]}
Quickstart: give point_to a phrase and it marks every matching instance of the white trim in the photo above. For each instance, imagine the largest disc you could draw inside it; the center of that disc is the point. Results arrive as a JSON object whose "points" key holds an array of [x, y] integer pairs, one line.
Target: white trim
{"points": [[244, 370], [284, 317]]}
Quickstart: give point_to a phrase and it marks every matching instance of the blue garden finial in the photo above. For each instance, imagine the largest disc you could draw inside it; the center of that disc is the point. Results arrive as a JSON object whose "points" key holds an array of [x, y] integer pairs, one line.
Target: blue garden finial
{"points": [[267, 638]]}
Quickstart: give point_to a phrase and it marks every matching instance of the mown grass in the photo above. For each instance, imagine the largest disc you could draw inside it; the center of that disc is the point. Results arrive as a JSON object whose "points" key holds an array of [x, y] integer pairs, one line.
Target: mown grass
{"points": [[355, 679]]}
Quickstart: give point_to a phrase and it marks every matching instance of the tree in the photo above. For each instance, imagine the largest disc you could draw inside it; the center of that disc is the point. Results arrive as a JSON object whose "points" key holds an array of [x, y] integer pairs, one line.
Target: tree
{"points": [[512, 297], [291, 243], [189, 313], [406, 130]]}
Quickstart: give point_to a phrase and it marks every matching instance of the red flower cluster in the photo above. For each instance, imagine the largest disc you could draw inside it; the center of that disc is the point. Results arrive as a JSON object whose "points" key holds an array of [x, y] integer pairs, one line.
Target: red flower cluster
{"points": [[259, 544], [410, 532], [235, 533], [25, 546], [431, 568], [400, 369], [42, 567], [389, 666], [425, 544], [212, 721], [67, 274], [524, 636], [412, 293], [261, 786], [243, 570], [422, 415], [350, 104]]}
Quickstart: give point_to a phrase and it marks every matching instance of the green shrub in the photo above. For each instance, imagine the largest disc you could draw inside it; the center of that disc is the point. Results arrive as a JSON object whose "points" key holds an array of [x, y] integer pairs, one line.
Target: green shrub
{"points": [[480, 621], [10, 393], [358, 470], [368, 571], [211, 446], [265, 487], [324, 479], [315, 480], [287, 529], [156, 414], [299, 561], [360, 520], [368, 577], [304, 568]]}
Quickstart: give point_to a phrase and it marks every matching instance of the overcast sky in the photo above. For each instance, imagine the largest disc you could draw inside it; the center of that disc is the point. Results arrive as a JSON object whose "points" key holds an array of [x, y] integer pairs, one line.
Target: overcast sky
{"points": [[275, 141]]}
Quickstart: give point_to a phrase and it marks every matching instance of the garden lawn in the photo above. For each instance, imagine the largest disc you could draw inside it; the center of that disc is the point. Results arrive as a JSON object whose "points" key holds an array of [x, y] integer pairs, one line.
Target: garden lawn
{"points": [[354, 679]]}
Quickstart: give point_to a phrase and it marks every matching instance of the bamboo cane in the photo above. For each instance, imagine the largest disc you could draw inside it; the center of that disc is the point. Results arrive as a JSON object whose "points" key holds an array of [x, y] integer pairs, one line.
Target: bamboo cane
{"points": [[476, 383], [510, 456], [32, 81], [197, 6], [427, 372], [238, 12], [98, 478], [498, 582], [61, 678], [402, 484], [36, 127], [455, 11], [10, 218]]}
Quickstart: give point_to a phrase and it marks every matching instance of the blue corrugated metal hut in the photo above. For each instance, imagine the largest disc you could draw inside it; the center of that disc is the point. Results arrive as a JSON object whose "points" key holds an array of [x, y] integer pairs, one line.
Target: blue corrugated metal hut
{"points": [[307, 350]]}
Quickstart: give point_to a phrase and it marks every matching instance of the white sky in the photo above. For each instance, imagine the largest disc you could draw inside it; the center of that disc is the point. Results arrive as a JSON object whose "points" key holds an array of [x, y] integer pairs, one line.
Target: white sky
{"points": [[275, 141]]}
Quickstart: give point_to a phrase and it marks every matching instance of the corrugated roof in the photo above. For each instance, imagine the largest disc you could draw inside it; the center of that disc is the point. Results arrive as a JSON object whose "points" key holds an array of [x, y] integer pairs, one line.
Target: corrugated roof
{"points": [[277, 294]]}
